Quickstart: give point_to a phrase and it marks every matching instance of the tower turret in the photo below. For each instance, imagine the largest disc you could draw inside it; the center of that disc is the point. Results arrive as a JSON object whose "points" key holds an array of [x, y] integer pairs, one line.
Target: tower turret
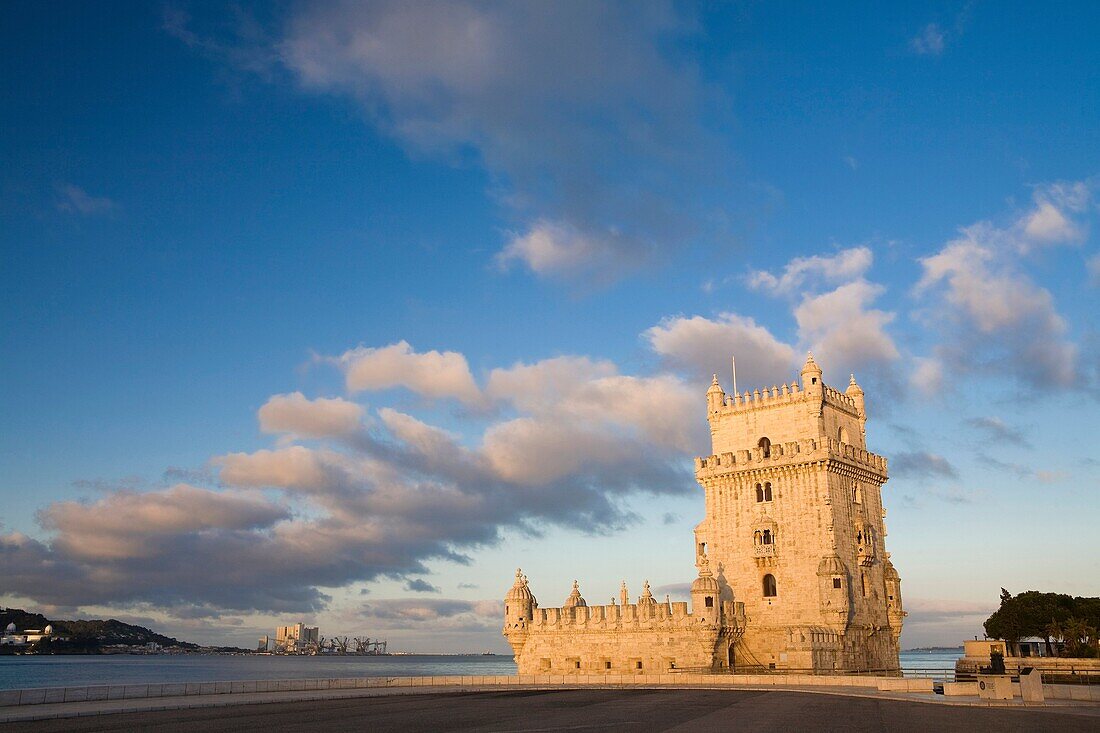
{"points": [[811, 375], [894, 610], [705, 594], [715, 398], [856, 393], [519, 607]]}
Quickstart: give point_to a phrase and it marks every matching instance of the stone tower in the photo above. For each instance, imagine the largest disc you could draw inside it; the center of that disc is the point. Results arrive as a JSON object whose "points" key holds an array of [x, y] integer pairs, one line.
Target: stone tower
{"points": [[794, 528]]}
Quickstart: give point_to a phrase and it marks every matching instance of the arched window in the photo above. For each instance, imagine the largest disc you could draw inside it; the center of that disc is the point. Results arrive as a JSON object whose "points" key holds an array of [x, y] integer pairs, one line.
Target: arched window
{"points": [[765, 445], [769, 586], [759, 493], [842, 435], [768, 491], [767, 539], [708, 601], [756, 537]]}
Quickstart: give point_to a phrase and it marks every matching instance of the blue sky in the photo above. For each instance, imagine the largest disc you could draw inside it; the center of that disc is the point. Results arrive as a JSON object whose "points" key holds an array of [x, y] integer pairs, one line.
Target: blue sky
{"points": [[342, 311]]}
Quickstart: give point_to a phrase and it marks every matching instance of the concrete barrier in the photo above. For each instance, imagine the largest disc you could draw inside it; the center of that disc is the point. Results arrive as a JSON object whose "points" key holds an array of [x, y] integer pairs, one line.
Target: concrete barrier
{"points": [[954, 689]]}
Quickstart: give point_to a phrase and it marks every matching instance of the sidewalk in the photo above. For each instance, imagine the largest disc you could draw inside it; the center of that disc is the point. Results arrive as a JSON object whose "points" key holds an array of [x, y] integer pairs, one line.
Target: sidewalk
{"points": [[100, 707]]}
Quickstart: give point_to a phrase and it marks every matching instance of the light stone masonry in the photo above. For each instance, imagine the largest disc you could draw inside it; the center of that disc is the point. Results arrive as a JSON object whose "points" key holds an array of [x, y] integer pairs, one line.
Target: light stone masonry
{"points": [[793, 572]]}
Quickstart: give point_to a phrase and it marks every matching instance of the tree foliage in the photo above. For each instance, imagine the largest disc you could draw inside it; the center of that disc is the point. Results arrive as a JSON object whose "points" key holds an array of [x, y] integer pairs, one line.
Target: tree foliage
{"points": [[1049, 616]]}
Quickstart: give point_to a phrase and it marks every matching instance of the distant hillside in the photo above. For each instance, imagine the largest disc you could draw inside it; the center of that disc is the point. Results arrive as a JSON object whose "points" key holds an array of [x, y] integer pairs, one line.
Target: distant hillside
{"points": [[91, 633]]}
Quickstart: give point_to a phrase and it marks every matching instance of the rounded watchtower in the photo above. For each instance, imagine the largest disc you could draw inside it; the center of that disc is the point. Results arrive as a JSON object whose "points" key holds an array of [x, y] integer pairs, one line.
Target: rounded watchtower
{"points": [[519, 603], [715, 398], [705, 594]]}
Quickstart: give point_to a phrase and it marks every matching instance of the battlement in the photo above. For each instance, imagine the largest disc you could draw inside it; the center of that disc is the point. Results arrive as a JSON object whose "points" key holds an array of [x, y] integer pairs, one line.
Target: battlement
{"points": [[757, 398], [787, 454], [652, 615], [785, 394]]}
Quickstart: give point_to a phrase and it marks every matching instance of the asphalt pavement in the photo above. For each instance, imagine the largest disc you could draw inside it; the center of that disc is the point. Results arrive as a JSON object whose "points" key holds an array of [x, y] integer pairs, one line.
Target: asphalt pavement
{"points": [[537, 711]]}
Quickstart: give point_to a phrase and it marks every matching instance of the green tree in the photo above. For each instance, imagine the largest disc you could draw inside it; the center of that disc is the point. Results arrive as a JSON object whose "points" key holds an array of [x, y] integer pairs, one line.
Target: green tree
{"points": [[1048, 616]]}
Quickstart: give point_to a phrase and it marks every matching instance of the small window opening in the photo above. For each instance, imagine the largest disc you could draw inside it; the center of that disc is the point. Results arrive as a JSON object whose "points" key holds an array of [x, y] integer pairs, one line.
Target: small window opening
{"points": [[767, 492], [863, 583], [756, 537], [767, 537], [813, 380], [702, 548], [708, 602], [638, 665], [836, 582], [769, 586], [759, 493], [765, 445], [577, 664], [607, 665]]}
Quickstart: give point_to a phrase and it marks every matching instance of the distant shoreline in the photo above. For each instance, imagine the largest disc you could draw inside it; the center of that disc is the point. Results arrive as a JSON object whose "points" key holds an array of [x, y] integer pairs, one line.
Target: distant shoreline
{"points": [[933, 649]]}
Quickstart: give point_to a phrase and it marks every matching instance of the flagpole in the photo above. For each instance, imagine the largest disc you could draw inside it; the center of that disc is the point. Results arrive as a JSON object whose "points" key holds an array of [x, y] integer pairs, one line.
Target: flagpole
{"points": [[733, 359]]}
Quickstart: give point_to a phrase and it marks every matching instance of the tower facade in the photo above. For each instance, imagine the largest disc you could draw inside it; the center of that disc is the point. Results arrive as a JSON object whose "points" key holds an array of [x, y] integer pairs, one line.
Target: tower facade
{"points": [[794, 528], [792, 569]]}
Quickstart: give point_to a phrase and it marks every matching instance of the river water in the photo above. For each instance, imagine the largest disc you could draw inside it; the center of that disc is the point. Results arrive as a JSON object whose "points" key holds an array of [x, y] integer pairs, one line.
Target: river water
{"points": [[63, 671]]}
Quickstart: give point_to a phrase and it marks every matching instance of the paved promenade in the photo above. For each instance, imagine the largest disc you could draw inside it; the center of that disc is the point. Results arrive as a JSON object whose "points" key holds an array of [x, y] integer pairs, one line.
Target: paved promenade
{"points": [[531, 711], [543, 709]]}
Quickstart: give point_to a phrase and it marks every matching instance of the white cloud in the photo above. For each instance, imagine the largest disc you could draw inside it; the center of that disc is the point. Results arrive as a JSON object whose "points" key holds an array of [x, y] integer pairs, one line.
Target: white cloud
{"points": [[1047, 224], [586, 114], [844, 266], [124, 523], [927, 375], [703, 346], [555, 249], [661, 408], [842, 328], [931, 41], [431, 374], [319, 418], [290, 467], [1050, 222], [995, 318], [76, 200]]}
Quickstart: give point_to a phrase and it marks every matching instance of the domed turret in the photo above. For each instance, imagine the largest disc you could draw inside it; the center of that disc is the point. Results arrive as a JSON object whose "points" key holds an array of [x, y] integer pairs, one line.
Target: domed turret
{"points": [[519, 609], [574, 598], [10, 629], [715, 397], [895, 611], [519, 591], [811, 373], [48, 630], [705, 593], [856, 393]]}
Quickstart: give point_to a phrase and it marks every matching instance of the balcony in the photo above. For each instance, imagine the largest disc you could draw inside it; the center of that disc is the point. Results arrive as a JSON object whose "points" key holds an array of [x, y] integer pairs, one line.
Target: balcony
{"points": [[763, 550]]}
